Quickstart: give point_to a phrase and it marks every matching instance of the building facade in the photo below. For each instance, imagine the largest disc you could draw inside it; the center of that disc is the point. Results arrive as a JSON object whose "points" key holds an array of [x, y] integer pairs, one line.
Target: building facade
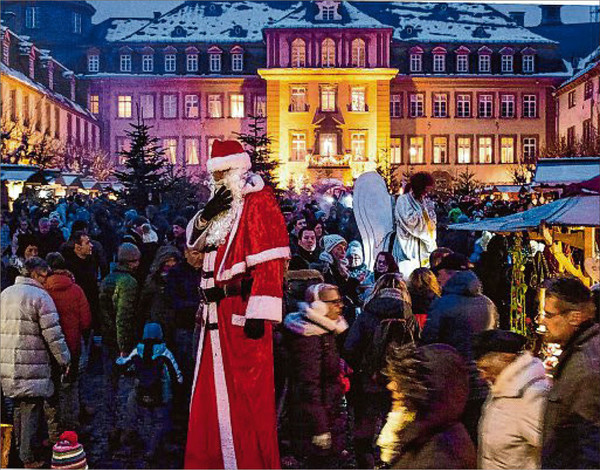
{"points": [[43, 97], [342, 86]]}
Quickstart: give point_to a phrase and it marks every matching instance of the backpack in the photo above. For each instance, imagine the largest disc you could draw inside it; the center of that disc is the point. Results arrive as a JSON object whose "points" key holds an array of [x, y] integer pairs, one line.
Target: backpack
{"points": [[398, 331], [149, 389]]}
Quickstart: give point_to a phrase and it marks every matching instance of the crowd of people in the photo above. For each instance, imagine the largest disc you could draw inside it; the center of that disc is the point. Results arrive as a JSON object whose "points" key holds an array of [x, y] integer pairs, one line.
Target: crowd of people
{"points": [[372, 368]]}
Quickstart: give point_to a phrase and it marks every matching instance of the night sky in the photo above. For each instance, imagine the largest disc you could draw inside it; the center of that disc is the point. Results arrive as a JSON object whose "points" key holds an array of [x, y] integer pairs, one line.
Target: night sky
{"points": [[144, 8]]}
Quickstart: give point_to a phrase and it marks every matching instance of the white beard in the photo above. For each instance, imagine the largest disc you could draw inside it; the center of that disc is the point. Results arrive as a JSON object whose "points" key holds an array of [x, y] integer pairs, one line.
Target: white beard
{"points": [[222, 224]]}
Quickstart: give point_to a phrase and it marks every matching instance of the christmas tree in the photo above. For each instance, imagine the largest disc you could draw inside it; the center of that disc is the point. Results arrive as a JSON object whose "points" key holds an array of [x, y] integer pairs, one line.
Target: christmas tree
{"points": [[145, 167], [465, 184]]}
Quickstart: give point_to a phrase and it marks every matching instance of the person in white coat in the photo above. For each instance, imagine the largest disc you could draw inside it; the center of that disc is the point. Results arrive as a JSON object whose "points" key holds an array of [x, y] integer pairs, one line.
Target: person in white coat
{"points": [[510, 428]]}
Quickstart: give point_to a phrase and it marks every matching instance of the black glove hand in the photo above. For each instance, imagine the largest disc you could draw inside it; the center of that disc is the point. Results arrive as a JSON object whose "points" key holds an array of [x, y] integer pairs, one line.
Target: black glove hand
{"points": [[254, 328], [220, 202]]}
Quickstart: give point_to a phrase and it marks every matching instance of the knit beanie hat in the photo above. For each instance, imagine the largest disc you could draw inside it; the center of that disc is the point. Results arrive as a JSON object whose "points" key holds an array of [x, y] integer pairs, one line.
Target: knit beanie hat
{"points": [[68, 453], [128, 252], [354, 247], [331, 241]]}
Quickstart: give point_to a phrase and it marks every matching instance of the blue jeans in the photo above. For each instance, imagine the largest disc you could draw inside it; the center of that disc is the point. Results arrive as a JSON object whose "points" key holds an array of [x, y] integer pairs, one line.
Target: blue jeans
{"points": [[151, 423]]}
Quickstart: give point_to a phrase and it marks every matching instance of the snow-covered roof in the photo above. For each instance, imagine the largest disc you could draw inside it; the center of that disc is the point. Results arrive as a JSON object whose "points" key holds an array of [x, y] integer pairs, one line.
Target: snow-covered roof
{"points": [[585, 65], [303, 16], [214, 22], [21, 77], [450, 22], [563, 171], [118, 28]]}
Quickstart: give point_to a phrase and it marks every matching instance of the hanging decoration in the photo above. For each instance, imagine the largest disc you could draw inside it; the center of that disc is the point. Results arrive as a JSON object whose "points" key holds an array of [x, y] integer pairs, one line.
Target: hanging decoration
{"points": [[518, 287]]}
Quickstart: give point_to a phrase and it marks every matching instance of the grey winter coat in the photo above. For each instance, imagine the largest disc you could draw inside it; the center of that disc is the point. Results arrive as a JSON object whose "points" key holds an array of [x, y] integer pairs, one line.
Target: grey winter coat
{"points": [[571, 433], [510, 429], [29, 331]]}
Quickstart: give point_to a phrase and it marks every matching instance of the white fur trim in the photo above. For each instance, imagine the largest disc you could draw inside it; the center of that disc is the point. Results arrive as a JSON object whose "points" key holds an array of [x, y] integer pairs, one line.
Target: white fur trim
{"points": [[268, 255], [265, 307], [237, 161]]}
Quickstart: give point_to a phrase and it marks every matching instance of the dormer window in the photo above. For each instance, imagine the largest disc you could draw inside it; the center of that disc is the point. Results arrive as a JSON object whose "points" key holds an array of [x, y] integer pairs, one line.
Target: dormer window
{"points": [[32, 17], [328, 10], [125, 62], [328, 53], [237, 59], [93, 63], [179, 32], [147, 63], [485, 60], [214, 61], [191, 59], [462, 59], [358, 53], [507, 54], [416, 60], [170, 62], [528, 60], [76, 23], [439, 60], [6, 49], [298, 53]]}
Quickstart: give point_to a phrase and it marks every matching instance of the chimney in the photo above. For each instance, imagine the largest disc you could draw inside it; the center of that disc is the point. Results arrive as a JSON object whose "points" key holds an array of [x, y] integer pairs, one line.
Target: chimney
{"points": [[157, 15], [518, 17], [550, 15]]}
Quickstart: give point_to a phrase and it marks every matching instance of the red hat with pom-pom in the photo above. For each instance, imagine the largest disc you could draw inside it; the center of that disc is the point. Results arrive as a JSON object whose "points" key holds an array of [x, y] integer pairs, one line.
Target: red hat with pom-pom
{"points": [[228, 155], [68, 453]]}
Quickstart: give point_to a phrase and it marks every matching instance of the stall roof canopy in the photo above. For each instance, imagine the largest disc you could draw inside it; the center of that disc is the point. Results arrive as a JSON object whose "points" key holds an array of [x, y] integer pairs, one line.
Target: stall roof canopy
{"points": [[563, 171], [571, 211]]}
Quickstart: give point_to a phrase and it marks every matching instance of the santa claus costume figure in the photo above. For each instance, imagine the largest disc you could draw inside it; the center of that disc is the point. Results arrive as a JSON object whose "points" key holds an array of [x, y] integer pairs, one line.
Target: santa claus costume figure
{"points": [[242, 233]]}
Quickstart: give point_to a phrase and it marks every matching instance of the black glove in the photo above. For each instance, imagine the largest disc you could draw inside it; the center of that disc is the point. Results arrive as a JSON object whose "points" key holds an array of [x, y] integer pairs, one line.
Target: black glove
{"points": [[220, 202], [254, 328]]}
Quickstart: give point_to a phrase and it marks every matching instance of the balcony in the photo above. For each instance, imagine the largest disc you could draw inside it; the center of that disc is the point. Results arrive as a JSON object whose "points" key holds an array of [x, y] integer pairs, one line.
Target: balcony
{"points": [[329, 161], [299, 108], [357, 109]]}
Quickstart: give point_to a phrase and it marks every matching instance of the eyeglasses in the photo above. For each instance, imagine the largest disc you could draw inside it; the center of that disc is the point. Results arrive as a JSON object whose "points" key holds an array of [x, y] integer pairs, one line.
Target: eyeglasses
{"points": [[548, 315], [334, 301]]}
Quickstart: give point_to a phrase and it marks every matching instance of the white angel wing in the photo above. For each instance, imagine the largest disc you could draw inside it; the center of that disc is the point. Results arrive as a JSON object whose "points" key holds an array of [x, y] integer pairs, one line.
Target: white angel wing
{"points": [[373, 212]]}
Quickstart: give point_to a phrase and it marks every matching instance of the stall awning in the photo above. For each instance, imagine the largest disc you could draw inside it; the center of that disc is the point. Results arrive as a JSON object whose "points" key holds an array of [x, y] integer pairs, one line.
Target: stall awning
{"points": [[571, 211], [70, 180], [17, 173], [564, 171]]}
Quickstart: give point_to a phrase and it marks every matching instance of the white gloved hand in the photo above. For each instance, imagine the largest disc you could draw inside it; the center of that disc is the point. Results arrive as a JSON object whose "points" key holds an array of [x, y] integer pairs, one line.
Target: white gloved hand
{"points": [[323, 441]]}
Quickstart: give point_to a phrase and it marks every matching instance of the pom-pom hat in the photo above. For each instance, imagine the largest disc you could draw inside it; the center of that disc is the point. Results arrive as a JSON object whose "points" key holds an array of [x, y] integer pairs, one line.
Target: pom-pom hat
{"points": [[68, 453], [228, 155]]}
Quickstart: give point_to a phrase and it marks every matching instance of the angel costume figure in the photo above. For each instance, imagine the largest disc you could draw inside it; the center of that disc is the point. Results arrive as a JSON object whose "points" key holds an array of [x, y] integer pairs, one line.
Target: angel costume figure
{"points": [[242, 233], [415, 224]]}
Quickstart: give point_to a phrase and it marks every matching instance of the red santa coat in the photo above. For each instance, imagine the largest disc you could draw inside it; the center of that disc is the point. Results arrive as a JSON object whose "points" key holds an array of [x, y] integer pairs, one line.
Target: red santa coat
{"points": [[232, 413]]}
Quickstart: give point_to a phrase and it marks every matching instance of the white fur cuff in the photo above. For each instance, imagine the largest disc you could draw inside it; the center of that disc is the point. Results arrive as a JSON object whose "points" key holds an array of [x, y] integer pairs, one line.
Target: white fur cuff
{"points": [[265, 307]]}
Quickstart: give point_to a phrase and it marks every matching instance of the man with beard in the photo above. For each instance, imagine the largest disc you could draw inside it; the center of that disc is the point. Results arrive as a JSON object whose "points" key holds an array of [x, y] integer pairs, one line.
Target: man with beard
{"points": [[306, 251], [242, 234]]}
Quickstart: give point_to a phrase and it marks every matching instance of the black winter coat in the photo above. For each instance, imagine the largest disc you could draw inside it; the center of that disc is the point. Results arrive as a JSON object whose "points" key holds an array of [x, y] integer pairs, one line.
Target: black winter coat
{"points": [[571, 432]]}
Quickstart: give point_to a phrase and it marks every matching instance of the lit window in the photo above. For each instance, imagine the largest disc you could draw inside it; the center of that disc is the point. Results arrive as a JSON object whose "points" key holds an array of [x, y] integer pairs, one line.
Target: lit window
{"points": [[507, 150], [170, 148], [416, 150], [462, 63], [169, 106], [440, 105], [416, 63], [260, 106], [298, 99], [32, 17], [298, 147], [440, 150], [396, 106], [298, 53], [93, 63], [485, 150], [396, 150], [358, 53], [328, 145], [192, 106], [463, 148], [528, 63], [529, 148], [463, 106], [507, 63], [328, 98], [170, 62], [94, 104], [215, 63], [192, 62], [507, 109], [236, 105], [77, 23], [417, 105], [237, 62], [26, 109], [486, 106], [358, 142], [358, 99], [485, 63], [147, 106], [529, 106], [328, 53], [125, 63], [147, 63], [439, 63], [215, 106], [192, 154], [124, 106]]}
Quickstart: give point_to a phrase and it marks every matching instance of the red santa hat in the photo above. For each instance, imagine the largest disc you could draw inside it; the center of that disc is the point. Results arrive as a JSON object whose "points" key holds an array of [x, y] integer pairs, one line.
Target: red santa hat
{"points": [[228, 155]]}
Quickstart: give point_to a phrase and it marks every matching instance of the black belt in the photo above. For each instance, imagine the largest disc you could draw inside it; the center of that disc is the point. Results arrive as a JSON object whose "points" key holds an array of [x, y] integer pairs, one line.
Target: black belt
{"points": [[232, 289]]}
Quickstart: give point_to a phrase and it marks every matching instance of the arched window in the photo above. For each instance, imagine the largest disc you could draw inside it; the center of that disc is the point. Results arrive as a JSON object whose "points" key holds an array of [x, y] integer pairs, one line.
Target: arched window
{"points": [[298, 53], [328, 53], [358, 53]]}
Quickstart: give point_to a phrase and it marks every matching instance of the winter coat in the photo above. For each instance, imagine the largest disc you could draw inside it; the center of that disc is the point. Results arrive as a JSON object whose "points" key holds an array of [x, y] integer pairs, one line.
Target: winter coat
{"points": [[510, 428], [437, 438], [85, 272], [183, 282], [461, 312], [315, 385], [72, 306], [49, 242], [302, 259], [421, 302], [30, 331], [571, 435], [118, 306]]}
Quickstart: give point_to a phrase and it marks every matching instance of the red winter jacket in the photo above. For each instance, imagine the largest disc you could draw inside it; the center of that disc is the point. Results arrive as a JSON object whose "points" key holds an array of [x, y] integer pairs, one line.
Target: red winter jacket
{"points": [[72, 306]]}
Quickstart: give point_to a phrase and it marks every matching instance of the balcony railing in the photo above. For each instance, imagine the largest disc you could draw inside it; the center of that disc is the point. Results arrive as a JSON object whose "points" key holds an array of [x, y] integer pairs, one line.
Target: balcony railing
{"points": [[329, 161], [299, 108], [357, 109]]}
